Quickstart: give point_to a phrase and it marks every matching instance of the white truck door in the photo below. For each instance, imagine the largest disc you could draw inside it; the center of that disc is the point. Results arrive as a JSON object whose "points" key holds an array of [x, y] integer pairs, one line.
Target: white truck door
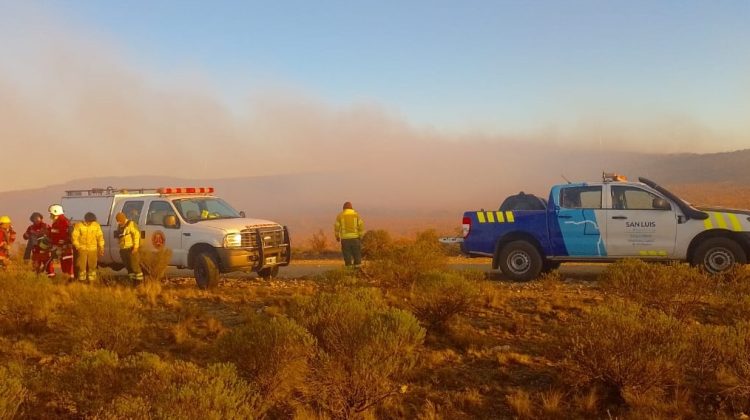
{"points": [[162, 227], [640, 223], [134, 210]]}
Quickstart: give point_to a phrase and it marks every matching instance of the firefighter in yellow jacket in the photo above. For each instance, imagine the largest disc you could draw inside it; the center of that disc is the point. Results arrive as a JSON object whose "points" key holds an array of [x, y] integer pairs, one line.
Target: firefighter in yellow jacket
{"points": [[88, 240], [349, 229], [130, 242]]}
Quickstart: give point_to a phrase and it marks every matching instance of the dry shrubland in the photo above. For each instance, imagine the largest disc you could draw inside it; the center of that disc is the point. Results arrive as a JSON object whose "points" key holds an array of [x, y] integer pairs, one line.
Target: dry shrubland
{"points": [[401, 262], [398, 340]]}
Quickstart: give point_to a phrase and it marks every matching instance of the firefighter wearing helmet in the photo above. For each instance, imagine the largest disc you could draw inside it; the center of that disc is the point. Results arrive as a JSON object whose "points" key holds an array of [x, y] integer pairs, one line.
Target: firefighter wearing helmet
{"points": [[39, 244], [62, 248], [7, 237]]}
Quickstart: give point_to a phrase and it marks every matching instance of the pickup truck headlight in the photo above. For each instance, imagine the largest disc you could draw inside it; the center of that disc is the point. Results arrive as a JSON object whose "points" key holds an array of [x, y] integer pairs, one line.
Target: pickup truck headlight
{"points": [[233, 240]]}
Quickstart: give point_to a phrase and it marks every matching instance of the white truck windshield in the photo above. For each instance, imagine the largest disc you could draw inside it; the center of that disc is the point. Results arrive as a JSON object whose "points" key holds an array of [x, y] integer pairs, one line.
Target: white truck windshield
{"points": [[203, 208]]}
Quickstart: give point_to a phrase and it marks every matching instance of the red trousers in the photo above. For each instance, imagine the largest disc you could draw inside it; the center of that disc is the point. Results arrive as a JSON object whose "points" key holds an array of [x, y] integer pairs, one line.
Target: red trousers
{"points": [[41, 262], [66, 262]]}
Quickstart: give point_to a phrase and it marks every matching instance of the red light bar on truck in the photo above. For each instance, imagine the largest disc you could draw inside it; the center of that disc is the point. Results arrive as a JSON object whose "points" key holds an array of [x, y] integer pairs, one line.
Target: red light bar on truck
{"points": [[186, 190]]}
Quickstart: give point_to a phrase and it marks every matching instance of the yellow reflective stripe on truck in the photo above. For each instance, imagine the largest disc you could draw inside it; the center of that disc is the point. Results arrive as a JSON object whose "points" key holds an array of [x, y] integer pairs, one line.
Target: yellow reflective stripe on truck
{"points": [[652, 253], [735, 222], [722, 221], [495, 217]]}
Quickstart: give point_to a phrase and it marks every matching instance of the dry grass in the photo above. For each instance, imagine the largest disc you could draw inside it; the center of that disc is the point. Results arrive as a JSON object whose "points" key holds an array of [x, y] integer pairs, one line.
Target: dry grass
{"points": [[438, 297], [404, 261], [26, 301], [343, 345], [520, 402]]}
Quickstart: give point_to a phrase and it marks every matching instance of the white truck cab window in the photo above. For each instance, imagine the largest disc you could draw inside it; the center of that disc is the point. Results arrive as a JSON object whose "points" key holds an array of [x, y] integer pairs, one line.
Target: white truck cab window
{"points": [[633, 198], [133, 210], [202, 208], [158, 211]]}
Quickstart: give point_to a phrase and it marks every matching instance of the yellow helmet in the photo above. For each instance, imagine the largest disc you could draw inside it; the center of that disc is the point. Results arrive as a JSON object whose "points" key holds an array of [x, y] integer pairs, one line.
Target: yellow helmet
{"points": [[4, 220]]}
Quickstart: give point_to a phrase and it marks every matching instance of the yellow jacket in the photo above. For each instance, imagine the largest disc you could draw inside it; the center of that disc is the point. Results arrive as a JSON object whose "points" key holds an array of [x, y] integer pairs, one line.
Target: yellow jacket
{"points": [[87, 237], [130, 236], [349, 225]]}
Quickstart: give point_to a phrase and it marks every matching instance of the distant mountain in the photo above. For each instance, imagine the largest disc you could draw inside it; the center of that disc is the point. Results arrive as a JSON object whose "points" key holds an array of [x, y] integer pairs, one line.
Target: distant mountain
{"points": [[733, 167], [407, 197]]}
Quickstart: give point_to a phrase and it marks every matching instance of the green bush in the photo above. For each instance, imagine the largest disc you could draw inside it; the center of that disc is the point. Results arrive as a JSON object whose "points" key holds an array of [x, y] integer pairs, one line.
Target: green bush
{"points": [[675, 289], [629, 349], [438, 297], [99, 384], [272, 354], [86, 382], [26, 301], [101, 318], [183, 390], [12, 393], [404, 261], [365, 349]]}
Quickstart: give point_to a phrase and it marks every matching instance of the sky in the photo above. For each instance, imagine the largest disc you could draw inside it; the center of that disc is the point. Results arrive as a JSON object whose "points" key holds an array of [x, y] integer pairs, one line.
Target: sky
{"points": [[297, 79]]}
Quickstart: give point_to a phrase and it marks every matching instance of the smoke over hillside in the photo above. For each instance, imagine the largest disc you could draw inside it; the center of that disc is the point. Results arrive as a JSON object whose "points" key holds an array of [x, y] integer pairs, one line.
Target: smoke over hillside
{"points": [[405, 200], [75, 106]]}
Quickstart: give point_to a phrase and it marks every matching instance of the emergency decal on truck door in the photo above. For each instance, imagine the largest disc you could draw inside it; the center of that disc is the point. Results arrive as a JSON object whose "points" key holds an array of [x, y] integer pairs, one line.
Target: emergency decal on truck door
{"points": [[158, 239]]}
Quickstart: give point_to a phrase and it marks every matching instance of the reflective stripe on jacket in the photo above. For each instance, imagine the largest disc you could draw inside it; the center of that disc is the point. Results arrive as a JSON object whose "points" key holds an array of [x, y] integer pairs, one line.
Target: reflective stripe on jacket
{"points": [[349, 225], [58, 231], [87, 237], [130, 236]]}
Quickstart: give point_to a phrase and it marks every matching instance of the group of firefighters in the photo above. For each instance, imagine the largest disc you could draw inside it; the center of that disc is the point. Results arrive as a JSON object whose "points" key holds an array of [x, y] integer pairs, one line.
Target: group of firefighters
{"points": [[84, 243], [76, 249]]}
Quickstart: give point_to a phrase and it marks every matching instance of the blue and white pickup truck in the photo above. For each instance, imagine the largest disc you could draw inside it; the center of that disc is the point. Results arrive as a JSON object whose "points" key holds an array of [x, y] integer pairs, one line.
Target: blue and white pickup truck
{"points": [[602, 222]]}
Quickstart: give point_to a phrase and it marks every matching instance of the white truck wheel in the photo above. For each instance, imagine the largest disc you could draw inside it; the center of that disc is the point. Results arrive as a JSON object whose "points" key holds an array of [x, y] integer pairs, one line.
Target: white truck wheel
{"points": [[719, 254]]}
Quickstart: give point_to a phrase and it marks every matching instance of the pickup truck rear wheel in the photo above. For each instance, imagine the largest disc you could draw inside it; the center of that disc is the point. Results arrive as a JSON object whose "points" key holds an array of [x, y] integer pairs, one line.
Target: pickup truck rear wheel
{"points": [[206, 271], [716, 255], [520, 260], [269, 272]]}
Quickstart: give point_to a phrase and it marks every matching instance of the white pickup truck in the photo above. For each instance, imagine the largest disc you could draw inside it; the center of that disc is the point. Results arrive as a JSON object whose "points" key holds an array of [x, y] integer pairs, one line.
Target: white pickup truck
{"points": [[203, 232], [602, 222]]}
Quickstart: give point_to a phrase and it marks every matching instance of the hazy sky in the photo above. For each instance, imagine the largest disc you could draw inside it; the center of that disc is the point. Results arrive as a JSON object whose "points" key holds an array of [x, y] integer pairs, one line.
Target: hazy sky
{"points": [[89, 76]]}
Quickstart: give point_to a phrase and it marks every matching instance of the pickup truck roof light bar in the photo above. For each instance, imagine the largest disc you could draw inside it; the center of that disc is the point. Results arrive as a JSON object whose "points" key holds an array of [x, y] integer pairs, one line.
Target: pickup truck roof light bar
{"points": [[109, 191], [613, 177], [186, 190]]}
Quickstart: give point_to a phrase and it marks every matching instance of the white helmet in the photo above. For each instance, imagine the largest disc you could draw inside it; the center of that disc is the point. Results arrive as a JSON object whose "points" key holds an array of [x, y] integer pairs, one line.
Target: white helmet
{"points": [[55, 210]]}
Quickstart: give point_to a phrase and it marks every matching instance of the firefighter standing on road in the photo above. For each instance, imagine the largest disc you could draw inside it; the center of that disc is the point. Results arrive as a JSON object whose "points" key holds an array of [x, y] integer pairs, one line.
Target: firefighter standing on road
{"points": [[349, 229], [88, 241], [38, 245], [7, 237], [130, 241], [62, 249]]}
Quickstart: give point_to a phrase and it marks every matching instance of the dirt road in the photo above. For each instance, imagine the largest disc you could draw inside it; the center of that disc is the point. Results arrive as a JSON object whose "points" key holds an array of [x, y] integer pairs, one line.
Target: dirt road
{"points": [[308, 268]]}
